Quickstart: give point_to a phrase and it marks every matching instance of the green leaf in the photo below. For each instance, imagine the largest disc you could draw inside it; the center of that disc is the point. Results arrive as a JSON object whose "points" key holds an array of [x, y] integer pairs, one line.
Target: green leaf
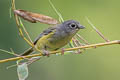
{"points": [[22, 71]]}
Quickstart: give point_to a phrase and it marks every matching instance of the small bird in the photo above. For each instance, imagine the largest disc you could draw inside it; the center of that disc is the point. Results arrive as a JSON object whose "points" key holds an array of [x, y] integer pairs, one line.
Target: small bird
{"points": [[55, 37]]}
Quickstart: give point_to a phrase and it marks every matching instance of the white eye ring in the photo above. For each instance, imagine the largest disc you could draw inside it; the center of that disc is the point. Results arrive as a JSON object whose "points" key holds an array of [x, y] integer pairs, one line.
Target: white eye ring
{"points": [[72, 25]]}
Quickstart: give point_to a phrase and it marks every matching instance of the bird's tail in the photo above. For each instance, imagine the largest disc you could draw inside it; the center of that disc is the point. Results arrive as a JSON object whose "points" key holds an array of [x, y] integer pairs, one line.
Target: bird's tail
{"points": [[27, 52]]}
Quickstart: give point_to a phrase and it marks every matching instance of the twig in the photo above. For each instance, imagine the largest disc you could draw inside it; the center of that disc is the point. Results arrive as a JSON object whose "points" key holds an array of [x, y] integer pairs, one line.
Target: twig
{"points": [[58, 13], [97, 30], [77, 44], [17, 55], [86, 42], [18, 25], [68, 49], [25, 31]]}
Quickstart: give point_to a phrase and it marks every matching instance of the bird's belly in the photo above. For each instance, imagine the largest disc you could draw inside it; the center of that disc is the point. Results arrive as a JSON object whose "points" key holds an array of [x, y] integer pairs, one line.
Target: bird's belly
{"points": [[52, 45], [59, 43]]}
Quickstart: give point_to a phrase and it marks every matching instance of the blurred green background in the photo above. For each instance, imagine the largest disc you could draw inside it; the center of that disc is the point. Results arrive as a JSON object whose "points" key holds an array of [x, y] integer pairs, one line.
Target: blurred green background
{"points": [[93, 64]]}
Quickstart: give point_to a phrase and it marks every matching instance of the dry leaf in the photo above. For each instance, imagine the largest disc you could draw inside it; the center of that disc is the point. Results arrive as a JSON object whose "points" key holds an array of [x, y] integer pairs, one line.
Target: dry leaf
{"points": [[35, 17]]}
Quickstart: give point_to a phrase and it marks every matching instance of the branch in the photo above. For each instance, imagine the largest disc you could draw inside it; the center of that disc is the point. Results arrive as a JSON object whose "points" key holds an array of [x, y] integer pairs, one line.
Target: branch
{"points": [[67, 49]]}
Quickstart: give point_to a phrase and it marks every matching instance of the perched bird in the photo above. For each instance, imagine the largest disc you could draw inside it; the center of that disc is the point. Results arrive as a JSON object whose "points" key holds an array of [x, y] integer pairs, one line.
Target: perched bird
{"points": [[56, 36]]}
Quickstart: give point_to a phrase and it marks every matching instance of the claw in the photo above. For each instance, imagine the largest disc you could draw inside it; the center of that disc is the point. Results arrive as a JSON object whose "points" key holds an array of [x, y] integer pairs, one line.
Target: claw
{"points": [[95, 47], [46, 53]]}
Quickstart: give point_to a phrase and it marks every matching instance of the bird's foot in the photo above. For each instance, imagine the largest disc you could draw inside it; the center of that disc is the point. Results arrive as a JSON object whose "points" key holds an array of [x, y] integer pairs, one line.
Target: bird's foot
{"points": [[62, 51], [46, 53]]}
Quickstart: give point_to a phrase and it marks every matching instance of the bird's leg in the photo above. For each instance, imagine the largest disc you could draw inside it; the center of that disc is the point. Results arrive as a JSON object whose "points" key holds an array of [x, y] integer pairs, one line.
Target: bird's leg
{"points": [[45, 53], [62, 51]]}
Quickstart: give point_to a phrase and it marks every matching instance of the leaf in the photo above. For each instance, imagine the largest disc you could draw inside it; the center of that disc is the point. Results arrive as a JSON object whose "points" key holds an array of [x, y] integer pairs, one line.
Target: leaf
{"points": [[35, 17], [22, 71]]}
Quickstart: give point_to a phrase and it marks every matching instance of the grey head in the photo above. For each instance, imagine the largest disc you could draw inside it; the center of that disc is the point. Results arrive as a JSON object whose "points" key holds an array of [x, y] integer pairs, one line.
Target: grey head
{"points": [[68, 28], [71, 26]]}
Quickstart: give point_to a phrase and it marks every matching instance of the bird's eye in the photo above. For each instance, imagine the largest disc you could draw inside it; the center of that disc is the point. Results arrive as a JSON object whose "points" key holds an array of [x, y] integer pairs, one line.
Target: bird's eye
{"points": [[72, 25]]}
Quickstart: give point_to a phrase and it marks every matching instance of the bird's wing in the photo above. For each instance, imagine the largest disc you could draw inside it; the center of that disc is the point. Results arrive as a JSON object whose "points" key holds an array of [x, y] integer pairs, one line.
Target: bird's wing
{"points": [[45, 32]]}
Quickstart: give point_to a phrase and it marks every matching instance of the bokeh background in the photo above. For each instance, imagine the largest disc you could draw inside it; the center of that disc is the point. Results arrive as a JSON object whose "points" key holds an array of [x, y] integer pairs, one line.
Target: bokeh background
{"points": [[93, 64]]}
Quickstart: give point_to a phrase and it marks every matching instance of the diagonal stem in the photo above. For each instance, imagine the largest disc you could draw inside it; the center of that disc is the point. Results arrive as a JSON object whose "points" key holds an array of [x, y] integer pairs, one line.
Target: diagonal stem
{"points": [[97, 30], [18, 25], [68, 49]]}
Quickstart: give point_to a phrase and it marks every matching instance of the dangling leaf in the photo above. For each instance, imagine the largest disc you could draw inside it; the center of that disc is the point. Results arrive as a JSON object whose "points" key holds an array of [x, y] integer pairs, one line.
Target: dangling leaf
{"points": [[22, 71]]}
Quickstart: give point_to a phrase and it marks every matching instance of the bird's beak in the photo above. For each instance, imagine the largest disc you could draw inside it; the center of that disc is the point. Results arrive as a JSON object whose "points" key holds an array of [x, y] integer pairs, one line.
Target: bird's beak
{"points": [[81, 27]]}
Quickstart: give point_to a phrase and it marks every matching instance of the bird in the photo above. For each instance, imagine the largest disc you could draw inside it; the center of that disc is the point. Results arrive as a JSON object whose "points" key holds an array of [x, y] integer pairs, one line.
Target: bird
{"points": [[55, 37]]}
